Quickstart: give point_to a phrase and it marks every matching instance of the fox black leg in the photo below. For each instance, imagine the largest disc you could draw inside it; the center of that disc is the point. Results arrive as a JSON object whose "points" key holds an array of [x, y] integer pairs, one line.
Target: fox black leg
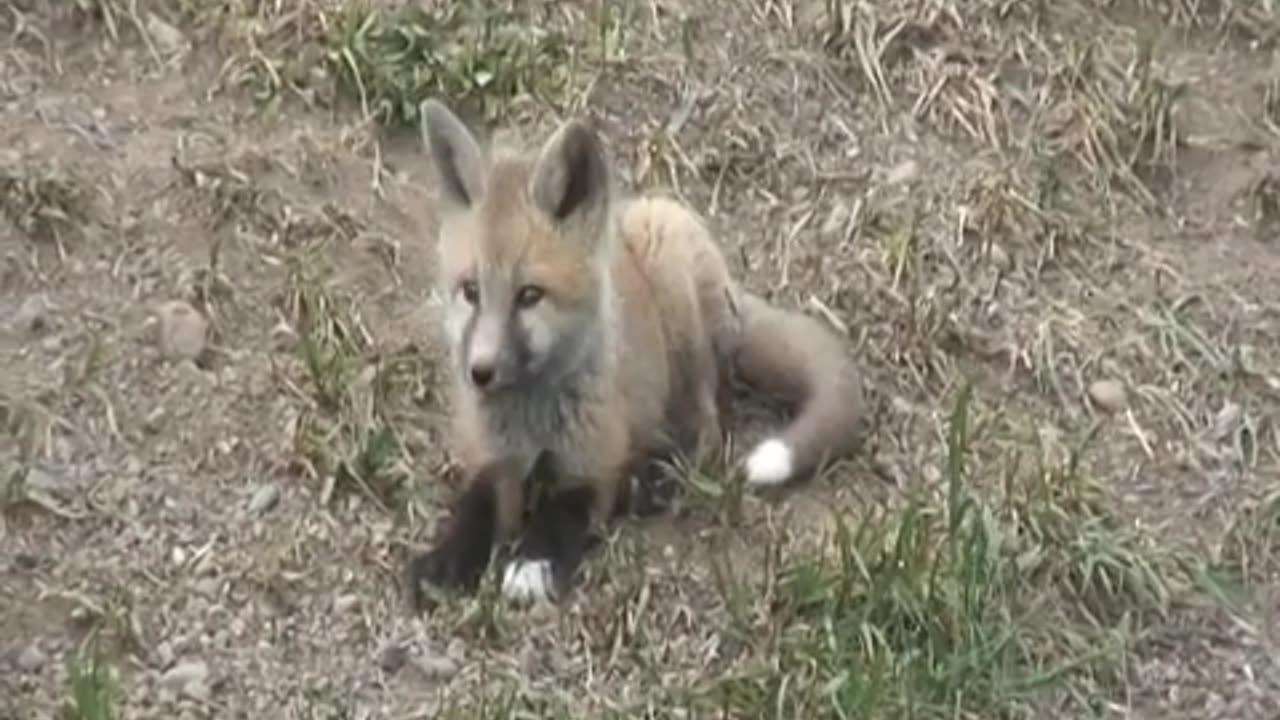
{"points": [[459, 559], [556, 537]]}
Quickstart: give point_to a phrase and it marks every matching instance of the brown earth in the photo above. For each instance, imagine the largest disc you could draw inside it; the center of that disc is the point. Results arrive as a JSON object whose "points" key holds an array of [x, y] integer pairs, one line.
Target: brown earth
{"points": [[177, 495]]}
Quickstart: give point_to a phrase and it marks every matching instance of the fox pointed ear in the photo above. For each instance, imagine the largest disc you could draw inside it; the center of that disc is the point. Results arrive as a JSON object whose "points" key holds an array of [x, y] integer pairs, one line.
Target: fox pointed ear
{"points": [[455, 154], [571, 174]]}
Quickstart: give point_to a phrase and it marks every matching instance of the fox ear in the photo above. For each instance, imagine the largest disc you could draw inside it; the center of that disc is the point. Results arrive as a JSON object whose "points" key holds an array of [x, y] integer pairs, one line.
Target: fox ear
{"points": [[455, 154], [571, 175]]}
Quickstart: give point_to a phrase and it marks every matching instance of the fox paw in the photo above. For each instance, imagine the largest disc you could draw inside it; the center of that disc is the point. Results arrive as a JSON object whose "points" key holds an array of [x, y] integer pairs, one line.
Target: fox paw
{"points": [[528, 581], [439, 571]]}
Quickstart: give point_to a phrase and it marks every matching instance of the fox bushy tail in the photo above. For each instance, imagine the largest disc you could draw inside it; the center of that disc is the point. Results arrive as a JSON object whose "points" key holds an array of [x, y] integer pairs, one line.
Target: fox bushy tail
{"points": [[795, 358]]}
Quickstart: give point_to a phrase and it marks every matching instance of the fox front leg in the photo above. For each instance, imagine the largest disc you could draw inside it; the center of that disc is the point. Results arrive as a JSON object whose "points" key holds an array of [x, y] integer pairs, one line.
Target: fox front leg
{"points": [[556, 535], [459, 559], [481, 518]]}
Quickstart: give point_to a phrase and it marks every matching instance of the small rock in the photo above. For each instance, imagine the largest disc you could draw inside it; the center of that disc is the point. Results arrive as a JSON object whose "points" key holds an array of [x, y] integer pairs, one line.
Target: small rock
{"points": [[319, 75], [264, 499], [902, 172], [182, 330], [208, 587], [345, 603], [196, 690], [45, 480], [392, 657], [164, 653], [1227, 420], [168, 39], [185, 674], [154, 421], [456, 649], [1108, 394], [1000, 258], [436, 667], [32, 316], [189, 373], [32, 658], [283, 337]]}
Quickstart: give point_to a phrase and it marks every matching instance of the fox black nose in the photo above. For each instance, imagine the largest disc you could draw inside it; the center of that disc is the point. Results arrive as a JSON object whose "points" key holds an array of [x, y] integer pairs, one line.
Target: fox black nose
{"points": [[482, 374]]}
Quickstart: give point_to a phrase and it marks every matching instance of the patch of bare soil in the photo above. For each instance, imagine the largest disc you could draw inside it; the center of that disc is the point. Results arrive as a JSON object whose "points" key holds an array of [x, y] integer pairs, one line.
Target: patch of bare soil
{"points": [[215, 323]]}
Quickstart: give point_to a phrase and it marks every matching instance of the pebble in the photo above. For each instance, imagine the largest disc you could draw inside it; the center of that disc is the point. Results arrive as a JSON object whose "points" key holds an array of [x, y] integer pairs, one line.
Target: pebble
{"points": [[264, 499], [196, 690], [164, 653], [185, 674], [1227, 420], [32, 316], [182, 330], [904, 171], [436, 667], [32, 658], [1000, 258], [42, 480], [1108, 394], [283, 337], [392, 657], [208, 587], [345, 603], [169, 39]]}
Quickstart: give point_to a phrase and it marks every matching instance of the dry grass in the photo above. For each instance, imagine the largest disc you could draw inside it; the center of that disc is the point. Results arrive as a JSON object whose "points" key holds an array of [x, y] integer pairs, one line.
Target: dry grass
{"points": [[1049, 269], [45, 203]]}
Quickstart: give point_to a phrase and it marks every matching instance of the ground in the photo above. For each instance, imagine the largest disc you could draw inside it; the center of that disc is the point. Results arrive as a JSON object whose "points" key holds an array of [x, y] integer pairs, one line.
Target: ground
{"points": [[1047, 229]]}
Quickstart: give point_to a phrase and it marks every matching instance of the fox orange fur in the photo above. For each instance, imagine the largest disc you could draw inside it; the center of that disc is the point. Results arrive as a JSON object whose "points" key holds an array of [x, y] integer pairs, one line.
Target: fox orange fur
{"points": [[591, 330]]}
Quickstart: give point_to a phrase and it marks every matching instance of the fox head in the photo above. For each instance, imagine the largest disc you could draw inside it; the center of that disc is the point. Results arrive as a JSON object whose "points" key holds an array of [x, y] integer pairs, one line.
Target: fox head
{"points": [[524, 248]]}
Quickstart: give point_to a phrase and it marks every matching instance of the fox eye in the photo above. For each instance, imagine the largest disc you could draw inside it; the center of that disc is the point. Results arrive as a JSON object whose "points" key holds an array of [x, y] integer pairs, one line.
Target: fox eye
{"points": [[529, 296], [470, 292]]}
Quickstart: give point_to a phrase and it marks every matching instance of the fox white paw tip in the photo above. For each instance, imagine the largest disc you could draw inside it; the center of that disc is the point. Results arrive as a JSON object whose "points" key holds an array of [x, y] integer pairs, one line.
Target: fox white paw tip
{"points": [[527, 580], [772, 462]]}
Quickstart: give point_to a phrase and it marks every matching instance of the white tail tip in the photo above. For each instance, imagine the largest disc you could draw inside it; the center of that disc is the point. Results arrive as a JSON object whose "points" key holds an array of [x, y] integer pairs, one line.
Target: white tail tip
{"points": [[771, 463]]}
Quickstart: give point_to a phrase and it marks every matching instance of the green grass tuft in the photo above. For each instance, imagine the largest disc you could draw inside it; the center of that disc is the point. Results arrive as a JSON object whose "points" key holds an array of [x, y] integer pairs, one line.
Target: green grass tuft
{"points": [[959, 604], [349, 438], [43, 202], [94, 694], [471, 52]]}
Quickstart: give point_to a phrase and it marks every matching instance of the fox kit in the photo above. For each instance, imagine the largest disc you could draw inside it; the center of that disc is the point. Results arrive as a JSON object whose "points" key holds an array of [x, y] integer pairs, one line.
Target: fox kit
{"points": [[588, 332]]}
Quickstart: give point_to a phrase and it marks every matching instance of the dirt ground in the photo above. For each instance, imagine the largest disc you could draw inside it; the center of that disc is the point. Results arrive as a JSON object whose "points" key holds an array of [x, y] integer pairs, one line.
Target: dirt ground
{"points": [[220, 415]]}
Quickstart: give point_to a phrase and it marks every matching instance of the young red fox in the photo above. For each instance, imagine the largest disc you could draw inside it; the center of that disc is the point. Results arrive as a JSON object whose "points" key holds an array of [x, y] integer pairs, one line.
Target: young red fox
{"points": [[589, 331]]}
